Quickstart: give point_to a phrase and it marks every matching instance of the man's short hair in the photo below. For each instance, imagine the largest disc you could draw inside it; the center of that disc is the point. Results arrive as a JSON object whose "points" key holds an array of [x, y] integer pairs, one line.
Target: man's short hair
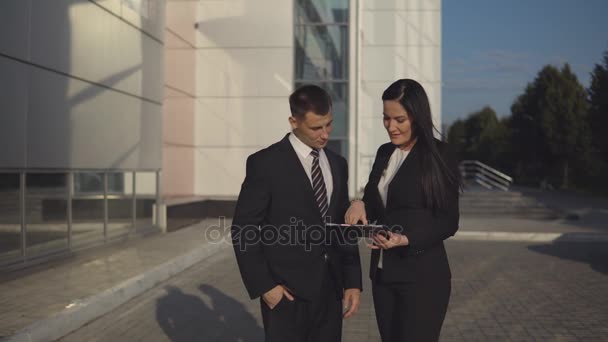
{"points": [[309, 98]]}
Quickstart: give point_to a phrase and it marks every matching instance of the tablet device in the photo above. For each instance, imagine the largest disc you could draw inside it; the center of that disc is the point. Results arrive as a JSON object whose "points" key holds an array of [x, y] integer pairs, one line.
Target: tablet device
{"points": [[360, 230]]}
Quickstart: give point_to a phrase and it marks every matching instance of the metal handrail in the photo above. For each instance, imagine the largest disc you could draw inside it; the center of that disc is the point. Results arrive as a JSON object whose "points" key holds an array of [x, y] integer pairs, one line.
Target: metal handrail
{"points": [[485, 175], [488, 174]]}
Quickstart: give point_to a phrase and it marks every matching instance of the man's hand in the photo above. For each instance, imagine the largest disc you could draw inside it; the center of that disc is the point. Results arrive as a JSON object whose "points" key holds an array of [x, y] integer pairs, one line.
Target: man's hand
{"points": [[274, 296], [352, 298], [355, 213]]}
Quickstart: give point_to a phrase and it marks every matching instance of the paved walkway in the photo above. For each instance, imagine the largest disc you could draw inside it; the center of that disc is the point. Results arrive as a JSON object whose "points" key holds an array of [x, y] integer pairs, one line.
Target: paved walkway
{"points": [[547, 290], [503, 291], [41, 300]]}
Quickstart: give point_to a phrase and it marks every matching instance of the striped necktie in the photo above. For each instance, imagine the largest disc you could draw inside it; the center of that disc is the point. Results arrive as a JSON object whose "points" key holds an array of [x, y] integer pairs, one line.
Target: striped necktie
{"points": [[318, 184]]}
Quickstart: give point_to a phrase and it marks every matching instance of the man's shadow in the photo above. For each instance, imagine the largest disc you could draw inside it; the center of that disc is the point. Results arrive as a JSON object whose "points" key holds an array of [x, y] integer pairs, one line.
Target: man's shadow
{"points": [[241, 325], [185, 317]]}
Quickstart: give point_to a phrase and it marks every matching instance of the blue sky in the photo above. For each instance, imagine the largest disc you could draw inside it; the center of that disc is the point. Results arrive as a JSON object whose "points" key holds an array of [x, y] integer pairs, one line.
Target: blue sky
{"points": [[493, 48]]}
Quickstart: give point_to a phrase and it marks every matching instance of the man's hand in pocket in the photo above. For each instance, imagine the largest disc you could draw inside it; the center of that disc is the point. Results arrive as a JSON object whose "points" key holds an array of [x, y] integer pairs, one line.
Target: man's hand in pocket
{"points": [[274, 296]]}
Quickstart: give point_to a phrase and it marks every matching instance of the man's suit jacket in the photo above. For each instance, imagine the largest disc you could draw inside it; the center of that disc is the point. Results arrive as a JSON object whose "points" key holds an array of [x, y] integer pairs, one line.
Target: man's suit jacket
{"points": [[276, 200], [425, 256]]}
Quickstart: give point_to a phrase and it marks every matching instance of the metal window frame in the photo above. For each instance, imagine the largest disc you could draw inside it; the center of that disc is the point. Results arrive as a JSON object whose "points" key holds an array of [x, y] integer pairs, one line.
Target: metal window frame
{"points": [[346, 82]]}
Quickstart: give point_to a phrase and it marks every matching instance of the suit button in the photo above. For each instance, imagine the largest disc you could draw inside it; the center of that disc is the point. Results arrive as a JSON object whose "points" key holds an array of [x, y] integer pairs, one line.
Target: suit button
{"points": [[325, 256]]}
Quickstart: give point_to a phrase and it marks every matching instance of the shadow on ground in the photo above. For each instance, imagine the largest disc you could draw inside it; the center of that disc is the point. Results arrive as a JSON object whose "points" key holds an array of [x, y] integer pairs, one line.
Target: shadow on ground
{"points": [[580, 210], [593, 253], [185, 317]]}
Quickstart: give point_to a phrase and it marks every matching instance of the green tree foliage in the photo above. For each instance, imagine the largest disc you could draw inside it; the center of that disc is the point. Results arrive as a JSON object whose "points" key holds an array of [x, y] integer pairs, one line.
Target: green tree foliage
{"points": [[550, 131], [457, 137], [598, 121], [556, 132], [598, 109], [481, 136]]}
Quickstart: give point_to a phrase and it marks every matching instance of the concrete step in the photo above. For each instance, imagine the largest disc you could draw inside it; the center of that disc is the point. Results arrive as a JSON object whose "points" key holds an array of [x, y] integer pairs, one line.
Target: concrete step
{"points": [[504, 203]]}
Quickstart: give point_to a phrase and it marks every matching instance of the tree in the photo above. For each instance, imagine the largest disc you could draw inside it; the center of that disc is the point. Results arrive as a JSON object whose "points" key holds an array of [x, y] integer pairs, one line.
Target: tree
{"points": [[550, 131], [479, 127], [481, 136], [457, 138], [598, 107], [598, 121]]}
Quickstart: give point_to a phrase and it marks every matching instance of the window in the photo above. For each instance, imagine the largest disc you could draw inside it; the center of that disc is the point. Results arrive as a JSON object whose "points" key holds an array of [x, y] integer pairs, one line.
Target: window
{"points": [[321, 58]]}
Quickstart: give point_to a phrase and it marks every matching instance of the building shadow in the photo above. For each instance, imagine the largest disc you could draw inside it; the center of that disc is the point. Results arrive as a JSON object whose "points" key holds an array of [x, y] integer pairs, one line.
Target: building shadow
{"points": [[185, 317], [593, 253], [578, 209]]}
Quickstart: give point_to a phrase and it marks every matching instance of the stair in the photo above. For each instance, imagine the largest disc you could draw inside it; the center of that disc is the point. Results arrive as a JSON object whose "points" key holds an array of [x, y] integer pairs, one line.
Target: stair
{"points": [[476, 201]]}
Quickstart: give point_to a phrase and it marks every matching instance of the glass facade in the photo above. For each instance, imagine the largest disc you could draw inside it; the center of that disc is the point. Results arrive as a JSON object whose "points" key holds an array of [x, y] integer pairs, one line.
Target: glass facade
{"points": [[10, 216], [92, 182], [46, 213], [43, 213], [321, 58]]}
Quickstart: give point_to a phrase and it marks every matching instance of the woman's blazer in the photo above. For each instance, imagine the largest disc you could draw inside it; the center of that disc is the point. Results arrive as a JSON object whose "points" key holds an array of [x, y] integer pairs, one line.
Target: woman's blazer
{"points": [[425, 257]]}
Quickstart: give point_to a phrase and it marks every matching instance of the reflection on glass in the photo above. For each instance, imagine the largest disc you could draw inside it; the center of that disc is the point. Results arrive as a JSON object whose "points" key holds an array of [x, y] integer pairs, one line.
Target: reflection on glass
{"points": [[87, 209], [46, 212], [339, 98], [321, 57], [339, 146], [92, 182], [322, 11], [120, 208], [321, 52], [10, 217]]}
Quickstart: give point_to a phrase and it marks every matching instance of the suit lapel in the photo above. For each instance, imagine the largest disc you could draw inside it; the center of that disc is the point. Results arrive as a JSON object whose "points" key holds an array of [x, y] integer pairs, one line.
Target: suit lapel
{"points": [[335, 175], [378, 172], [404, 166], [293, 166]]}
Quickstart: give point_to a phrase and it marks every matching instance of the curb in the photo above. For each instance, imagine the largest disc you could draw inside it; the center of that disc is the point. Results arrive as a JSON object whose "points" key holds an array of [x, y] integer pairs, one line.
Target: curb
{"points": [[530, 236], [83, 311]]}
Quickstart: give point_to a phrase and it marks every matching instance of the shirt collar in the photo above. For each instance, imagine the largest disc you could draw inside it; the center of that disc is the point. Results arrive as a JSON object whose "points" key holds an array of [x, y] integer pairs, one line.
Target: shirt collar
{"points": [[301, 148]]}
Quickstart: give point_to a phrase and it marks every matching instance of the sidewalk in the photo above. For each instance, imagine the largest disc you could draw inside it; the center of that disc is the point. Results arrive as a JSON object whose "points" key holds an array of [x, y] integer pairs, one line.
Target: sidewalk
{"points": [[49, 301], [501, 291]]}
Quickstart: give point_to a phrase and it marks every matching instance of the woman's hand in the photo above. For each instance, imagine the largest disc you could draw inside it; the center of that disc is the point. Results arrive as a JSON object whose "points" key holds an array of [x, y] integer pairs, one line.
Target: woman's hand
{"points": [[356, 213], [394, 240]]}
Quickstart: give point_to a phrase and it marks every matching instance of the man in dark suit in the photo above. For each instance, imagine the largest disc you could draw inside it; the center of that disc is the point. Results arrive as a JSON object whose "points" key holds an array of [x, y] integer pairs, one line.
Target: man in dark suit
{"points": [[292, 188]]}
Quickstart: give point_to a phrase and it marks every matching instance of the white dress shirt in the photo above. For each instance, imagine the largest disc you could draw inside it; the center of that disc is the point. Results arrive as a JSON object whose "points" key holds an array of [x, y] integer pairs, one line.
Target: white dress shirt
{"points": [[393, 166], [303, 152]]}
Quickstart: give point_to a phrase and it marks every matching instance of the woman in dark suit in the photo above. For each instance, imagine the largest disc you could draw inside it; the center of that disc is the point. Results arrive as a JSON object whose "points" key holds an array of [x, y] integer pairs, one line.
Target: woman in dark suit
{"points": [[413, 188]]}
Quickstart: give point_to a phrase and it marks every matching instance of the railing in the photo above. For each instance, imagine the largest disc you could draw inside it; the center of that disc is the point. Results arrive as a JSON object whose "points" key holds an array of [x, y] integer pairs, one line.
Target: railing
{"points": [[484, 175], [56, 214]]}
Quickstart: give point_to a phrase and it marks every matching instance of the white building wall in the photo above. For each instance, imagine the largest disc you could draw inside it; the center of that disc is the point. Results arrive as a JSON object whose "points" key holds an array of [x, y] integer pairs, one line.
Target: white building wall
{"points": [[243, 74], [84, 84], [180, 89], [244, 58], [397, 39]]}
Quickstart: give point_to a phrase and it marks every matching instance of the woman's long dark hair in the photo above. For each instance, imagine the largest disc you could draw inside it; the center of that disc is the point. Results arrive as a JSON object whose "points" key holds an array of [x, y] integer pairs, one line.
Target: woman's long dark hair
{"points": [[436, 175]]}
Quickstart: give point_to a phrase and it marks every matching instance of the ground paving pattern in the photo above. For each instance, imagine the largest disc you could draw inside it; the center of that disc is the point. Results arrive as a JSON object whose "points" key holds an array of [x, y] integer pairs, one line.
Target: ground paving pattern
{"points": [[502, 291]]}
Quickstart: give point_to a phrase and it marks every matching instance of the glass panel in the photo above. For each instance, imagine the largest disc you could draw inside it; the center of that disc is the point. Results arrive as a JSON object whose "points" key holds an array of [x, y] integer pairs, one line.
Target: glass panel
{"points": [[10, 217], [321, 11], [339, 98], [120, 207], [339, 146], [87, 208], [46, 212], [146, 197], [92, 182], [321, 52]]}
